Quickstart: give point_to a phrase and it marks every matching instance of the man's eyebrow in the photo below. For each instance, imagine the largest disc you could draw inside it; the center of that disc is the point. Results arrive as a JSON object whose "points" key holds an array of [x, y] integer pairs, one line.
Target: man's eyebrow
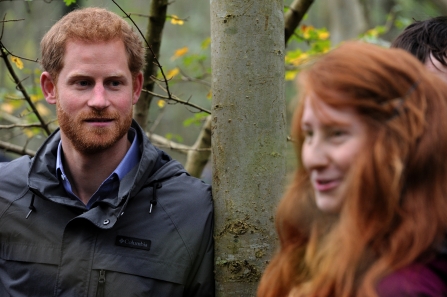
{"points": [[85, 75]]}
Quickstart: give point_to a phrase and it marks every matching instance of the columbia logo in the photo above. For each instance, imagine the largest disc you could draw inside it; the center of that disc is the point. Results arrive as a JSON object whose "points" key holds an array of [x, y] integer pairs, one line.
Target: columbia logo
{"points": [[137, 243]]}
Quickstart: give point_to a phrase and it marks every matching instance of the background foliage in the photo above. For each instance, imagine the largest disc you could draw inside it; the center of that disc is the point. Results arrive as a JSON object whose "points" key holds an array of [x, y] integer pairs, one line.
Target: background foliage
{"points": [[185, 54]]}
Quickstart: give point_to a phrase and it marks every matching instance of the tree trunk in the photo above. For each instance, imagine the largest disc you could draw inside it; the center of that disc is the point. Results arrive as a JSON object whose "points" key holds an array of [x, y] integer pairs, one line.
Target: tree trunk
{"points": [[157, 18], [249, 138], [199, 154], [346, 21]]}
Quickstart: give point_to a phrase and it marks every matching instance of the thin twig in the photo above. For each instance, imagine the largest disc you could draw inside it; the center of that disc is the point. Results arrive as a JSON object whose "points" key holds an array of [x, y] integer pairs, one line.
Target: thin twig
{"points": [[157, 120], [32, 125], [20, 57], [16, 149], [22, 89], [150, 48], [176, 99]]}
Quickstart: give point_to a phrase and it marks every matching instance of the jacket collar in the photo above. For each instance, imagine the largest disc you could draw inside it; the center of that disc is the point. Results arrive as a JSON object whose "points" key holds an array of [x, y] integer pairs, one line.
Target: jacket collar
{"points": [[43, 180]]}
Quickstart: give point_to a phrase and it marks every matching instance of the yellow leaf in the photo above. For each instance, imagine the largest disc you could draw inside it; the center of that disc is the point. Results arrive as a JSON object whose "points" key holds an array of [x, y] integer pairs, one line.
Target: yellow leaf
{"points": [[42, 109], [176, 21], [209, 95], [306, 30], [290, 75], [323, 35], [7, 107], [372, 32], [173, 73], [161, 103], [180, 52], [28, 133], [206, 43], [17, 61], [299, 60]]}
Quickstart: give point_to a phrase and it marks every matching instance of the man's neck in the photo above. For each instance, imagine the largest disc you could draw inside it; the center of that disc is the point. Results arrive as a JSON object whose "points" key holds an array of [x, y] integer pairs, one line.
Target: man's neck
{"points": [[86, 172]]}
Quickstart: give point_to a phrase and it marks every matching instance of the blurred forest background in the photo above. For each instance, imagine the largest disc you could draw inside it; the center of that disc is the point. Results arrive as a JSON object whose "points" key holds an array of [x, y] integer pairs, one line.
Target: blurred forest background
{"points": [[185, 53]]}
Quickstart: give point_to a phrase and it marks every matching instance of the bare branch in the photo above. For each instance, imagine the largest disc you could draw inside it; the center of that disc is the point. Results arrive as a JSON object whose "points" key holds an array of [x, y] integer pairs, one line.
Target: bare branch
{"points": [[198, 157], [154, 32], [157, 120], [167, 16], [176, 99], [7, 21], [163, 142], [16, 149], [21, 88], [20, 57], [32, 125], [294, 16], [199, 79]]}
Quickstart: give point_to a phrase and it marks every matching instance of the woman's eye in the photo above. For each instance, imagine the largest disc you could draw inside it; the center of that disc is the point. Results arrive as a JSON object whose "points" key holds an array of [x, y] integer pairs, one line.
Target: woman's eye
{"points": [[338, 133], [308, 134]]}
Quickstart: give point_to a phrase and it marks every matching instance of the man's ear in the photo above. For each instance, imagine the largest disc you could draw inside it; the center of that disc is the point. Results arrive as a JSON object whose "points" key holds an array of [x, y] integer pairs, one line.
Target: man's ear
{"points": [[48, 87], [137, 87]]}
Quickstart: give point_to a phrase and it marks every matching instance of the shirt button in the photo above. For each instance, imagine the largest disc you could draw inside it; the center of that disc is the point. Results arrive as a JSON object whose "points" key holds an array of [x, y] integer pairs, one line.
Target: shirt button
{"points": [[106, 222]]}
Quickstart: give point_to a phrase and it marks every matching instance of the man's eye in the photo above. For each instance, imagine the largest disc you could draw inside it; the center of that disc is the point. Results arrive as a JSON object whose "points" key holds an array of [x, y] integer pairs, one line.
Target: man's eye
{"points": [[83, 83], [115, 83], [338, 133]]}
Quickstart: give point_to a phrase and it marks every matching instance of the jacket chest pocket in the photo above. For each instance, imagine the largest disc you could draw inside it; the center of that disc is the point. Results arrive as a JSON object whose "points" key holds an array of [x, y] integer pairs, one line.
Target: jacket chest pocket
{"points": [[127, 275], [23, 265]]}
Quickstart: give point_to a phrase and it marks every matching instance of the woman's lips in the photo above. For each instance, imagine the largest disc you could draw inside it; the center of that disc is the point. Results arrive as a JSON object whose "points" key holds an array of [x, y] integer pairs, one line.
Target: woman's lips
{"points": [[326, 185]]}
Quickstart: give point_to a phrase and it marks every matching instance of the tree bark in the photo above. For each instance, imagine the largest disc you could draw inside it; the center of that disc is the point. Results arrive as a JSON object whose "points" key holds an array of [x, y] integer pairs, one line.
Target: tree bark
{"points": [[294, 16], [157, 18], [249, 138]]}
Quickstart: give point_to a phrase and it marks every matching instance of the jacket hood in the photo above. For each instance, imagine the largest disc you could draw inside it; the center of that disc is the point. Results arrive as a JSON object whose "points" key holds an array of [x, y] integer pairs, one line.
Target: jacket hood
{"points": [[154, 165]]}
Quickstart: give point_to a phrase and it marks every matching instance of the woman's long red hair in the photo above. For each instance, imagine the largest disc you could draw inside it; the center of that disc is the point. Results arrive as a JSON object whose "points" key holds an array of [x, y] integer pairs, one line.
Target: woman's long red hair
{"points": [[395, 212]]}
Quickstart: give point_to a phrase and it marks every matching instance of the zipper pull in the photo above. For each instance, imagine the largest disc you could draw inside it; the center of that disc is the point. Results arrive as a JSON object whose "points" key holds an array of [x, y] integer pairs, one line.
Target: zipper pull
{"points": [[101, 283]]}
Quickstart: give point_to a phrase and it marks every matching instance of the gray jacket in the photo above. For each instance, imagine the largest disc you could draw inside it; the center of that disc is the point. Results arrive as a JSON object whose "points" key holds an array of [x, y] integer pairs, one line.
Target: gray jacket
{"points": [[153, 239]]}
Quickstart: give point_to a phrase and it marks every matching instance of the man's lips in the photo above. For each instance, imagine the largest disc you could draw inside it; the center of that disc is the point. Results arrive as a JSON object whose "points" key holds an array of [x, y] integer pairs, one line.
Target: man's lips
{"points": [[324, 185], [94, 120], [99, 122]]}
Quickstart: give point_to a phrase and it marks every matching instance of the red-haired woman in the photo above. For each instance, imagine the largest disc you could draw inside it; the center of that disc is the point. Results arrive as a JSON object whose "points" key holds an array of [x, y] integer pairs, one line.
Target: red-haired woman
{"points": [[366, 212]]}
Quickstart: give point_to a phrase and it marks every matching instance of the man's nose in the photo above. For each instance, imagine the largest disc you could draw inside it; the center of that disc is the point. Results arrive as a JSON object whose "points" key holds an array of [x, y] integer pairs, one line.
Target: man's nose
{"points": [[99, 98]]}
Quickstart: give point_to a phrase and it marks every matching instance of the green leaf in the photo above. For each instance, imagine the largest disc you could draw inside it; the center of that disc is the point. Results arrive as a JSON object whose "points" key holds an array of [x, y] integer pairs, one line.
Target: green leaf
{"points": [[174, 137], [195, 120], [69, 2]]}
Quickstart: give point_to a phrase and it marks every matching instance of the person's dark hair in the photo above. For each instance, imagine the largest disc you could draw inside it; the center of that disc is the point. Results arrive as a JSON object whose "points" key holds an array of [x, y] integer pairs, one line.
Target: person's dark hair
{"points": [[424, 37]]}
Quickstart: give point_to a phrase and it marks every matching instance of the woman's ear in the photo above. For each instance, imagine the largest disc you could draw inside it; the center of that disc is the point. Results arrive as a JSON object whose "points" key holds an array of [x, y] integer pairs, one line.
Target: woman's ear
{"points": [[48, 87]]}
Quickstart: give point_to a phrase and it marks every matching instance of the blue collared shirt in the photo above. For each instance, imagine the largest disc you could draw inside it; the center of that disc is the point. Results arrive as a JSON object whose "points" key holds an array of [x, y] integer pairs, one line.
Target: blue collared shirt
{"points": [[110, 186]]}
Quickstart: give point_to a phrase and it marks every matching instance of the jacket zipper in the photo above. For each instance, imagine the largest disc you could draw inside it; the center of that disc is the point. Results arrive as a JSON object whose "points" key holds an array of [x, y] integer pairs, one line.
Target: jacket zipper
{"points": [[101, 283]]}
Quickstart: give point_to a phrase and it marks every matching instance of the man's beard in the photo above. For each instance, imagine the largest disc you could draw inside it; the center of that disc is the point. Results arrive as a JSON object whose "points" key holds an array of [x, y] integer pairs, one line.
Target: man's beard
{"points": [[91, 140]]}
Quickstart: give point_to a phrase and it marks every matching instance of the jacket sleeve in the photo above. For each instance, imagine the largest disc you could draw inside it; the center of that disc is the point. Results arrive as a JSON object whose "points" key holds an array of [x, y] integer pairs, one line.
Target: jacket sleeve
{"points": [[201, 283]]}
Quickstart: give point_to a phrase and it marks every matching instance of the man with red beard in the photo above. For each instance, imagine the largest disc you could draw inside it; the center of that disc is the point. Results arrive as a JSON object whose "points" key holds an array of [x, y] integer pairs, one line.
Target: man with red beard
{"points": [[100, 211]]}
